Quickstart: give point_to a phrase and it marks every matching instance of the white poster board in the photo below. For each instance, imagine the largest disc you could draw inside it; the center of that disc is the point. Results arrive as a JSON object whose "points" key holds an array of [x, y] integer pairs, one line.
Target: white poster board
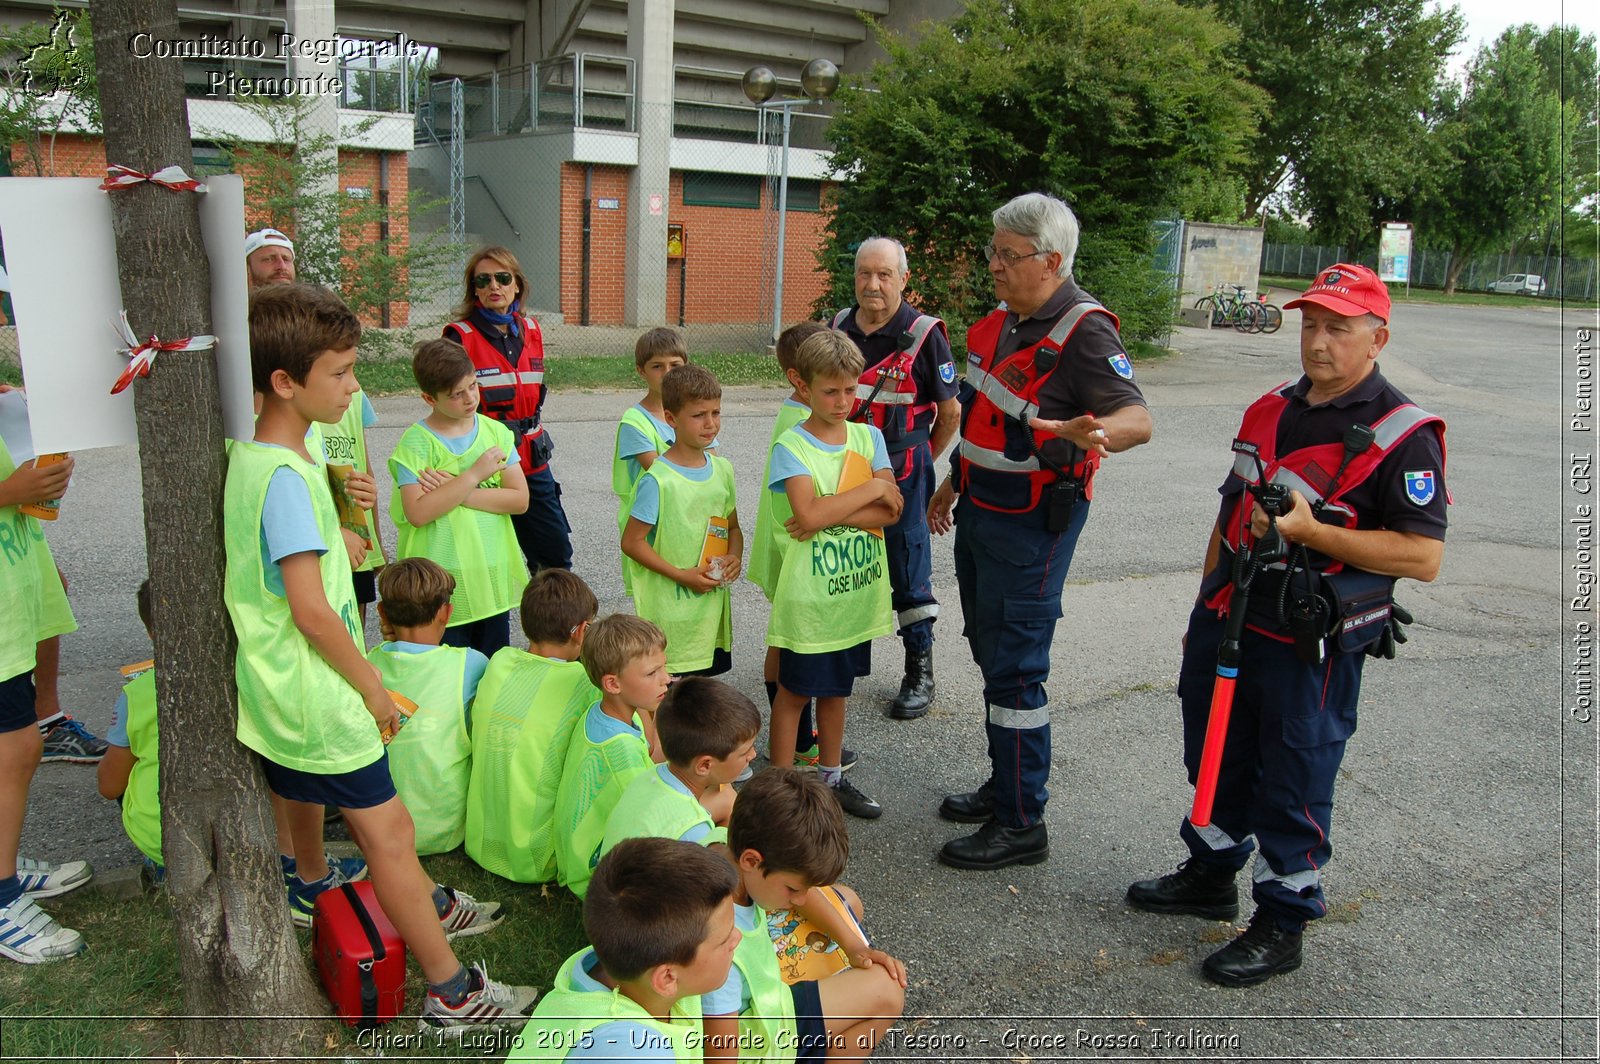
{"points": [[1394, 252], [62, 262]]}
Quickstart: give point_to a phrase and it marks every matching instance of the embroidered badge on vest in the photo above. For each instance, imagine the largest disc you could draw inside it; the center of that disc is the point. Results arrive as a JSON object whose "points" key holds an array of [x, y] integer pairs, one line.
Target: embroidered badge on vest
{"points": [[1119, 363], [1419, 486]]}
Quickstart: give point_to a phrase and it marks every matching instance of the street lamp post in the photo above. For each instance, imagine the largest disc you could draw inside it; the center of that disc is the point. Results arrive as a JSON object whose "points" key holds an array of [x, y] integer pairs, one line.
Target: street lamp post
{"points": [[819, 79]]}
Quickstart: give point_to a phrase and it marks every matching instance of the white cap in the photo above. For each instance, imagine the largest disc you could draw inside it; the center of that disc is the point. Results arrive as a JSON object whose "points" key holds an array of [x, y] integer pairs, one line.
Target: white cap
{"points": [[266, 238]]}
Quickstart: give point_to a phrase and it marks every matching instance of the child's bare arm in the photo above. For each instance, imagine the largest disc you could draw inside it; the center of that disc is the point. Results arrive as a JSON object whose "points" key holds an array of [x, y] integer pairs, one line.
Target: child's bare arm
{"points": [[31, 483], [812, 514], [885, 511], [111, 775], [325, 630], [733, 564], [637, 547], [844, 931], [511, 497]]}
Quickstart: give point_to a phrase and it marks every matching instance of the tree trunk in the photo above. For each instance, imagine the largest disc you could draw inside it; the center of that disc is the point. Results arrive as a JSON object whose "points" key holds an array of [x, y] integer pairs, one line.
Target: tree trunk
{"points": [[240, 958], [1452, 273]]}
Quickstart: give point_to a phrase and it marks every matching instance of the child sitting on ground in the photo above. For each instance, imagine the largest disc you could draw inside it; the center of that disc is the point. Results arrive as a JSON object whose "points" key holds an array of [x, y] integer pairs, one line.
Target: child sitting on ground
{"points": [[522, 722], [708, 735], [683, 530], [660, 916], [786, 837], [431, 756], [130, 771], [626, 659]]}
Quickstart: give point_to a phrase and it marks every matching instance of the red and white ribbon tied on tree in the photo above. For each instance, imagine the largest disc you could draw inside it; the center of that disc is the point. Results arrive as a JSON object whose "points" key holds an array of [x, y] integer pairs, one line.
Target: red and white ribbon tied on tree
{"points": [[143, 354], [173, 177]]}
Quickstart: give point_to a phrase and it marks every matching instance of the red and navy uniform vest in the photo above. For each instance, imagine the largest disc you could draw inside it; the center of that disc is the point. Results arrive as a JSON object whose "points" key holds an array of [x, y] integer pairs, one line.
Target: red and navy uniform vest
{"points": [[998, 466], [1309, 471], [886, 394], [513, 395]]}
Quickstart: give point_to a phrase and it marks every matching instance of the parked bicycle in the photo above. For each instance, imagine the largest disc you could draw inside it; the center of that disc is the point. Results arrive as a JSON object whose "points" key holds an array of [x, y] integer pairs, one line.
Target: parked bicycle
{"points": [[1228, 306]]}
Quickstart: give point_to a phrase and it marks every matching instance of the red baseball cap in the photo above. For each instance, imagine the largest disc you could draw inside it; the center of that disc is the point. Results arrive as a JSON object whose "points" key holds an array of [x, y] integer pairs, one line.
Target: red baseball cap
{"points": [[1346, 289]]}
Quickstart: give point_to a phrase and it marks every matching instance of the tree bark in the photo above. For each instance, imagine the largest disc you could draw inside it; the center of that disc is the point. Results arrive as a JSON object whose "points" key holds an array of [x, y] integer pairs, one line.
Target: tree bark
{"points": [[241, 962], [1452, 273]]}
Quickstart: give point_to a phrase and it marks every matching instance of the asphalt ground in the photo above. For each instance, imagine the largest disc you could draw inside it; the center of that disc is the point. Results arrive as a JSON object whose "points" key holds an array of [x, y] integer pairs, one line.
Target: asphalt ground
{"points": [[1462, 890]]}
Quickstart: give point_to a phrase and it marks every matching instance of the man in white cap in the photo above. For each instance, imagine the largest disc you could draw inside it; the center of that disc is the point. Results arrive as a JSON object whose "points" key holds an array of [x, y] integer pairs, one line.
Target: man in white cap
{"points": [[268, 258]]}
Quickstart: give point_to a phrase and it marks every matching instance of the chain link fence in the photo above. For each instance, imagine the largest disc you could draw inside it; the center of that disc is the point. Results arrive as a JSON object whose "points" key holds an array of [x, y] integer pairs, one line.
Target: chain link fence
{"points": [[1571, 279]]}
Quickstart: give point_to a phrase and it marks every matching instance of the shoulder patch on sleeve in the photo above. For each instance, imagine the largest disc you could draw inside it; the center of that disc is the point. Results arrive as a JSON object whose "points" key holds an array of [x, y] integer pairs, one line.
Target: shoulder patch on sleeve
{"points": [[1121, 365], [1420, 486], [947, 372]]}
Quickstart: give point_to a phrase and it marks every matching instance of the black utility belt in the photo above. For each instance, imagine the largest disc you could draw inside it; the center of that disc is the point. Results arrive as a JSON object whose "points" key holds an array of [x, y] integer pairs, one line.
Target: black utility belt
{"points": [[1347, 611]]}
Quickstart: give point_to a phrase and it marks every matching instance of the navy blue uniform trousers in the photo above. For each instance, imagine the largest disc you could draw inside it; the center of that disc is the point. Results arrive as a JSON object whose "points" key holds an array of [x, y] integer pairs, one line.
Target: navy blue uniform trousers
{"points": [[542, 531], [1010, 570], [1286, 737], [909, 552]]}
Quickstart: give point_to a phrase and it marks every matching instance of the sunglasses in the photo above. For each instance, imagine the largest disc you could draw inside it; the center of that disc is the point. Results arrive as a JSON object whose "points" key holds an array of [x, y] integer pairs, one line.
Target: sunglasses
{"points": [[503, 278]]}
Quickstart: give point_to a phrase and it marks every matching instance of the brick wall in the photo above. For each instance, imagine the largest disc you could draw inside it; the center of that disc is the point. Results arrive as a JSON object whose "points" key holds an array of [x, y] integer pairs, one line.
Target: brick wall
{"points": [[75, 155], [727, 249]]}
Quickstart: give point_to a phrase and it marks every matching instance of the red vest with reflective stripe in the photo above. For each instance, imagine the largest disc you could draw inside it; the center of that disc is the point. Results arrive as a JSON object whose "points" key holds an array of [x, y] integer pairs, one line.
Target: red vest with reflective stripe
{"points": [[998, 466], [891, 388], [1298, 469], [510, 394]]}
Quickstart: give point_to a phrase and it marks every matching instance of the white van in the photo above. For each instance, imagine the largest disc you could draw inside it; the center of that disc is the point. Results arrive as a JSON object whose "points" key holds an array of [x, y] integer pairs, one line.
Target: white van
{"points": [[1519, 284]]}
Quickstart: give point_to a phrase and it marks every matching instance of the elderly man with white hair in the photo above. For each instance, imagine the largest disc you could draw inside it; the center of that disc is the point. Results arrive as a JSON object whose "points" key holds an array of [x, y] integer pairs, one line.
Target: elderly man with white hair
{"points": [[908, 391], [1049, 393]]}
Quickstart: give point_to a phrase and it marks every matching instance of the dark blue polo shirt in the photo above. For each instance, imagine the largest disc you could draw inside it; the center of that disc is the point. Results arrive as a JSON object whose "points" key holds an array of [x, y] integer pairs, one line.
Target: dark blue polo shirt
{"points": [[934, 371]]}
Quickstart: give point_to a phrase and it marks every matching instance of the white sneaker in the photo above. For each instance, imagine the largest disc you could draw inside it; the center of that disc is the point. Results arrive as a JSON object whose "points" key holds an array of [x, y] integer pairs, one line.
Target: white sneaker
{"points": [[468, 915], [29, 935], [41, 879], [491, 1005]]}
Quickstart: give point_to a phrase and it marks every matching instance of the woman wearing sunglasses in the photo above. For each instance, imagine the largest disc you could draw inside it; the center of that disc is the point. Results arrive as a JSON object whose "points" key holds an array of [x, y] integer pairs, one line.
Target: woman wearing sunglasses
{"points": [[506, 347]]}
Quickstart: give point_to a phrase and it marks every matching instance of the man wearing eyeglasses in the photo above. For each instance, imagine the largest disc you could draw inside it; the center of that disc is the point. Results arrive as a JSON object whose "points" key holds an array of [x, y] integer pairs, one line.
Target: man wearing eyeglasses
{"points": [[908, 391], [1049, 392]]}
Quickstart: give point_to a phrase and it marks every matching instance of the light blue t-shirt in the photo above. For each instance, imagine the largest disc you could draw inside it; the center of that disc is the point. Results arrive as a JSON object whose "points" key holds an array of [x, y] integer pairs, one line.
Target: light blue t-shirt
{"points": [[786, 465], [696, 832], [477, 664], [647, 496], [117, 734], [734, 995], [599, 726], [369, 416], [618, 1039], [456, 445], [288, 524], [632, 442]]}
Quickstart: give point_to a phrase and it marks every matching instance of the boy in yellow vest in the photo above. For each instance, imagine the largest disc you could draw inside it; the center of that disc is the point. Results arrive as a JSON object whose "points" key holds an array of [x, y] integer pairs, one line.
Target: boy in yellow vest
{"points": [[708, 736], [644, 434], [130, 771], [456, 484], [522, 722], [660, 916], [832, 492], [310, 703], [431, 756], [683, 531], [626, 658], [27, 933], [768, 541], [786, 837]]}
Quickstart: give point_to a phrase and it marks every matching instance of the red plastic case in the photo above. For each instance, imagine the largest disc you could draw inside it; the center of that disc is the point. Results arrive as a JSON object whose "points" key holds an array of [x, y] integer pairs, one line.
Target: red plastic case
{"points": [[360, 956]]}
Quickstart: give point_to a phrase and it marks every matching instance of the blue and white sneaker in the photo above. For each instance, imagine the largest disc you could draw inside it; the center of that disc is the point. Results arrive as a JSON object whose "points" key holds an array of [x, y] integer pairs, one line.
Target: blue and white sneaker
{"points": [[41, 879], [303, 895], [67, 740], [354, 869], [28, 934]]}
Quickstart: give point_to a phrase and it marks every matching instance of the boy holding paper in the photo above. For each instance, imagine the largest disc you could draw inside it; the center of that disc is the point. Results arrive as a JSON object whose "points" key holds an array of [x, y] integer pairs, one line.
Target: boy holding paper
{"points": [[684, 532]]}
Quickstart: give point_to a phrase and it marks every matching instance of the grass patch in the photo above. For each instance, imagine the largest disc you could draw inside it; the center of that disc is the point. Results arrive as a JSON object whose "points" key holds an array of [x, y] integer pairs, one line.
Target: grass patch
{"points": [[1145, 351], [1398, 293], [10, 374], [130, 970]]}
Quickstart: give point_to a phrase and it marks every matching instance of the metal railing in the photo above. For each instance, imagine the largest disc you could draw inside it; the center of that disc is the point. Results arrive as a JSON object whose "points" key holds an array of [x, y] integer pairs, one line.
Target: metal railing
{"points": [[580, 90]]}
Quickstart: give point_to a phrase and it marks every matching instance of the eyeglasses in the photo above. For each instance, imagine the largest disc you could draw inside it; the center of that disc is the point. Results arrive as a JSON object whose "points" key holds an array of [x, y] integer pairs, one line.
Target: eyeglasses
{"points": [[1007, 256], [502, 278]]}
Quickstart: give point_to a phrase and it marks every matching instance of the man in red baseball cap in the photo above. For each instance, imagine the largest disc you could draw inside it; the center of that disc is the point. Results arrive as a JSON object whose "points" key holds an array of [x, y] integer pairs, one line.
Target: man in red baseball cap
{"points": [[1364, 471]]}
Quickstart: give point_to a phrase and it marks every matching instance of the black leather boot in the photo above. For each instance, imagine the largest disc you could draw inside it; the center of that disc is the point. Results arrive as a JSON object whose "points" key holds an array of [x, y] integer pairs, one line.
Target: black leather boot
{"points": [[1263, 951], [995, 846], [1195, 889], [970, 807], [916, 690]]}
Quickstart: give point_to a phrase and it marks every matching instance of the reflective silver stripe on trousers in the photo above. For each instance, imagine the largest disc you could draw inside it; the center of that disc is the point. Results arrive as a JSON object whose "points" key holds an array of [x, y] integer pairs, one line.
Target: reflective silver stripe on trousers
{"points": [[1215, 837], [1296, 881], [906, 618], [982, 456], [1019, 719], [997, 393], [886, 397]]}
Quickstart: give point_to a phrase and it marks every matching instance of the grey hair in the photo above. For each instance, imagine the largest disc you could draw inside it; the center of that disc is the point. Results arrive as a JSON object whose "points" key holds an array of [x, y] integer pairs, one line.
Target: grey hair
{"points": [[899, 250], [1044, 220]]}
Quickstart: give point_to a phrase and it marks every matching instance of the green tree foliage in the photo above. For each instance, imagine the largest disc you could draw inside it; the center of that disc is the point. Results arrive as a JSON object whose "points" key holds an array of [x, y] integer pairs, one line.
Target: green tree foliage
{"points": [[333, 231], [47, 73], [1116, 106], [1350, 82], [1570, 71], [1501, 152]]}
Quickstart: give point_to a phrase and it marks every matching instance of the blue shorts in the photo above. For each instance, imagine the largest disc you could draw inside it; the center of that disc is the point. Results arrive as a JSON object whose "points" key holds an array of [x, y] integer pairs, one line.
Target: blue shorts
{"points": [[830, 675], [812, 1031], [366, 583], [362, 788], [16, 703]]}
